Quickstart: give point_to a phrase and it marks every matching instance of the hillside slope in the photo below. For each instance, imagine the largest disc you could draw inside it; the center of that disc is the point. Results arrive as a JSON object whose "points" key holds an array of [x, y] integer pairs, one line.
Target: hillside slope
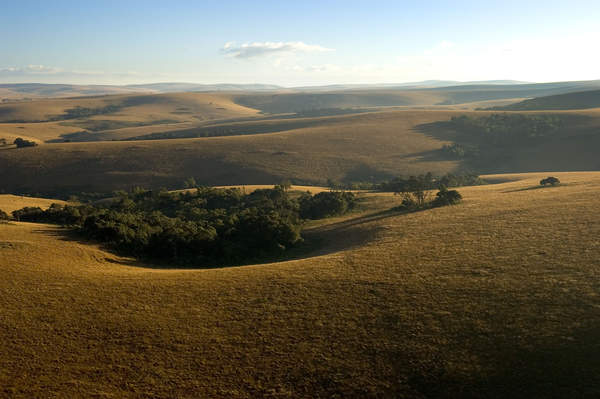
{"points": [[349, 148], [364, 147], [496, 297], [579, 100]]}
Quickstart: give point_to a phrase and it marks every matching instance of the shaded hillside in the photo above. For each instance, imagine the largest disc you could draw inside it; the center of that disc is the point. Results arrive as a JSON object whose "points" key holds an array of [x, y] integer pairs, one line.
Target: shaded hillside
{"points": [[579, 100], [512, 142]]}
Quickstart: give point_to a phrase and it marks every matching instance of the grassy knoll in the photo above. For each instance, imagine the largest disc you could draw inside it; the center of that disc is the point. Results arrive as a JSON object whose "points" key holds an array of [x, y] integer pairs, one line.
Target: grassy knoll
{"points": [[496, 297]]}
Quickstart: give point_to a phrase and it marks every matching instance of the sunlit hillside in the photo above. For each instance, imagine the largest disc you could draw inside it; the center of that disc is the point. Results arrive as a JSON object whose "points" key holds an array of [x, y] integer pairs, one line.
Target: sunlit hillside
{"points": [[494, 297]]}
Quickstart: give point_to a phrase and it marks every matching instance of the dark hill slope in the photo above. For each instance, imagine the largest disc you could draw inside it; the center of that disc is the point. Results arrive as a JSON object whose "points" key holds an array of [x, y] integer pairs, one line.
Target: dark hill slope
{"points": [[579, 100]]}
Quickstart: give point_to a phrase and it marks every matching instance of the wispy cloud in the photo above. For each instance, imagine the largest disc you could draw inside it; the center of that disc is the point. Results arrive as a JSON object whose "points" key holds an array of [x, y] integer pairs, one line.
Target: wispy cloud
{"points": [[261, 49], [30, 69]]}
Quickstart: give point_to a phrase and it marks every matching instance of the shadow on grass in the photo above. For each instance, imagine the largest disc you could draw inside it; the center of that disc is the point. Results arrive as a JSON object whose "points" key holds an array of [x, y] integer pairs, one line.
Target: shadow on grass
{"points": [[534, 188]]}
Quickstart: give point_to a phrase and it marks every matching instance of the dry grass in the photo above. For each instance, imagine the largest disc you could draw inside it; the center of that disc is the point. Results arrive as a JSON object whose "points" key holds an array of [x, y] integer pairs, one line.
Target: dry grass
{"points": [[354, 148], [9, 203], [496, 297], [371, 146], [150, 110], [38, 132]]}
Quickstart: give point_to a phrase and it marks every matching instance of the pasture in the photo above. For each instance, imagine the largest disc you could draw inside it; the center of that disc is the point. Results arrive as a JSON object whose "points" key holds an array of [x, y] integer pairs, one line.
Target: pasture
{"points": [[495, 297]]}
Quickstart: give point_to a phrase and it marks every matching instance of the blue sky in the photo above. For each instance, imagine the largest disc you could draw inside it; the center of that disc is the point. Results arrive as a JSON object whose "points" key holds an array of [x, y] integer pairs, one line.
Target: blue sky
{"points": [[297, 43]]}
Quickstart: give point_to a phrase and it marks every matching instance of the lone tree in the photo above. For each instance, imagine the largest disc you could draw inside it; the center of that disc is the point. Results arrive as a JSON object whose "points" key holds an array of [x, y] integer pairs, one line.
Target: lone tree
{"points": [[447, 197], [553, 181]]}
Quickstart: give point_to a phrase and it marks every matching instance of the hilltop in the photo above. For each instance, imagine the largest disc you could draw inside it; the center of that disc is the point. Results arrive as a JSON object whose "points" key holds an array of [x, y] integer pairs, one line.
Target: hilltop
{"points": [[442, 303]]}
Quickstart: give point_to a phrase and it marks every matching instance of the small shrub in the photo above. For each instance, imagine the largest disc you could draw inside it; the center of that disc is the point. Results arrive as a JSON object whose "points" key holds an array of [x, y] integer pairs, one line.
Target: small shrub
{"points": [[3, 215], [551, 180]]}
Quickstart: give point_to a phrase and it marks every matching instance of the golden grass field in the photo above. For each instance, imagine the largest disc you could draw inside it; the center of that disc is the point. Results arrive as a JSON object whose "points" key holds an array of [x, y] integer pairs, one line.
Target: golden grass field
{"points": [[9, 203], [496, 297], [138, 114]]}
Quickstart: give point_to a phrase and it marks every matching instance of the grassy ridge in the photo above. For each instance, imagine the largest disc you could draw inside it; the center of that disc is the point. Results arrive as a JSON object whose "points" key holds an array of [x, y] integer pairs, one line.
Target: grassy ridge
{"points": [[444, 303]]}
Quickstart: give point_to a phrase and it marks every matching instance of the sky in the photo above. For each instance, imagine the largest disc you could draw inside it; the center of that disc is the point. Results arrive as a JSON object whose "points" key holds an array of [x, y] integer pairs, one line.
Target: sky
{"points": [[297, 43]]}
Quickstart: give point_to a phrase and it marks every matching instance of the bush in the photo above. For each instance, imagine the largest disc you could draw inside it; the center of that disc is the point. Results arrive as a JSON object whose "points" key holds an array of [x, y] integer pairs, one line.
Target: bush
{"points": [[551, 180], [326, 204], [21, 143], [3, 215], [447, 197], [29, 214]]}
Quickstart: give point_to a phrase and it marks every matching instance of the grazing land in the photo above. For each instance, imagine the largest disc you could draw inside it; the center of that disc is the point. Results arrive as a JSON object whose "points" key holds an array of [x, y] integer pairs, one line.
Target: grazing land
{"points": [[493, 297]]}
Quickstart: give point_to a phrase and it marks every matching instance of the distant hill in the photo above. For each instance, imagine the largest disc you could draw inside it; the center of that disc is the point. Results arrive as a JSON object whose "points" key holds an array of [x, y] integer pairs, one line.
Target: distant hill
{"points": [[407, 85], [181, 87], [486, 90], [21, 91], [578, 100], [338, 97]]}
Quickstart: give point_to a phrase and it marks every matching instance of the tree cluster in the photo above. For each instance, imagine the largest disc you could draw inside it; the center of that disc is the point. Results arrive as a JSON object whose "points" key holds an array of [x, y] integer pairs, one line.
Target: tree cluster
{"points": [[505, 129], [201, 227], [398, 184]]}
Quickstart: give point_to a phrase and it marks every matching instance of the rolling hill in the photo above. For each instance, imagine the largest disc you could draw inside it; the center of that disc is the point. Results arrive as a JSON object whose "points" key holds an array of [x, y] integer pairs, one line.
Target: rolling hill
{"points": [[349, 148], [442, 303], [144, 112], [407, 96], [115, 116], [363, 147]]}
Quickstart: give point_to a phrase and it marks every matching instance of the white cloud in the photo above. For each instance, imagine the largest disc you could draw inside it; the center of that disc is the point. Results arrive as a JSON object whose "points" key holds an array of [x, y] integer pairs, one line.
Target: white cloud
{"points": [[260, 49]]}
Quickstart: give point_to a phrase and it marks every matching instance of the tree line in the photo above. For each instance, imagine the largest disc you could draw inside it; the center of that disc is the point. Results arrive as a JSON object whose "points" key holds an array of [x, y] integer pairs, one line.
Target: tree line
{"points": [[400, 183]]}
